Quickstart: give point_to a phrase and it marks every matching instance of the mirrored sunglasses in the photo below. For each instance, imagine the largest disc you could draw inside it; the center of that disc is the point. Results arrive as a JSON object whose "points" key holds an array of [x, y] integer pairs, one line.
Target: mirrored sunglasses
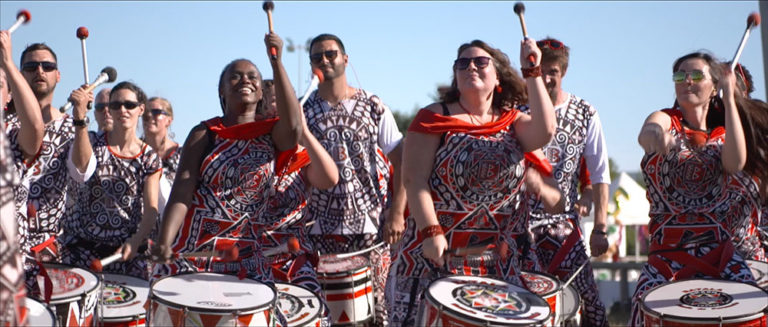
{"points": [[681, 76]]}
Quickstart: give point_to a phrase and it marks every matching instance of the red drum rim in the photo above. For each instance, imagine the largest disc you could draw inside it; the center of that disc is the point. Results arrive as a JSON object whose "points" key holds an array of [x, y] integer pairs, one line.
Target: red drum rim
{"points": [[554, 291], [736, 318], [484, 322], [86, 291], [240, 311]]}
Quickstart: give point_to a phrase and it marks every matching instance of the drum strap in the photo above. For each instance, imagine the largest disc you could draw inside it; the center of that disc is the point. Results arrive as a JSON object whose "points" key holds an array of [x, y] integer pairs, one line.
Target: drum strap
{"points": [[48, 244], [570, 242], [711, 264]]}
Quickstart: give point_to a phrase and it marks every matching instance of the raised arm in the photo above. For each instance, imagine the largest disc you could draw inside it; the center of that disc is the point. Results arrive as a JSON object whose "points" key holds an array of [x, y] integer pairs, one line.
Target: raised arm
{"points": [[82, 149], [184, 186], [537, 131], [27, 108], [735, 147], [287, 131]]}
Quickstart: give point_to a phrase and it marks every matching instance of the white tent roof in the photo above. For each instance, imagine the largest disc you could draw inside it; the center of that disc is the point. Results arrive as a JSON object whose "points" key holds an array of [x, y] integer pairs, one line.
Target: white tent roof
{"points": [[630, 196]]}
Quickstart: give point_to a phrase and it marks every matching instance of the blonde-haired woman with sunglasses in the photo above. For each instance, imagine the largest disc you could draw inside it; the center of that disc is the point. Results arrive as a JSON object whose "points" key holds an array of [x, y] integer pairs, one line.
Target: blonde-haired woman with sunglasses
{"points": [[699, 177], [116, 205], [157, 120]]}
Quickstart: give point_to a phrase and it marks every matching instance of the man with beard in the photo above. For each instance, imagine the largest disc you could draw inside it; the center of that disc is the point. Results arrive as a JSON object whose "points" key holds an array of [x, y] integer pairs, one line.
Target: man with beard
{"points": [[578, 140], [360, 134], [100, 112], [46, 179]]}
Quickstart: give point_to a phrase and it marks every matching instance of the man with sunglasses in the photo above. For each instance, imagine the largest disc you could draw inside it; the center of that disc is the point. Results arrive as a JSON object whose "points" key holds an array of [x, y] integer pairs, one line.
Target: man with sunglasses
{"points": [[100, 112], [46, 179], [578, 141], [361, 135]]}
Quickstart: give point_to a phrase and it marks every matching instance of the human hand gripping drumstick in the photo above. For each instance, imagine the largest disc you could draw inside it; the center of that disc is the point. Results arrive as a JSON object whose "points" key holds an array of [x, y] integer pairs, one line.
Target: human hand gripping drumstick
{"points": [[520, 11], [22, 17], [107, 75], [268, 6]]}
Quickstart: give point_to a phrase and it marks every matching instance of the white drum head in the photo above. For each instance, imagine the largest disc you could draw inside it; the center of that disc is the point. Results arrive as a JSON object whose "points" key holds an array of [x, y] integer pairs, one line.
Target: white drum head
{"points": [[488, 300], [68, 282], [38, 314], [571, 302], [705, 300], [123, 297], [760, 271], [331, 265], [210, 292], [298, 305]]}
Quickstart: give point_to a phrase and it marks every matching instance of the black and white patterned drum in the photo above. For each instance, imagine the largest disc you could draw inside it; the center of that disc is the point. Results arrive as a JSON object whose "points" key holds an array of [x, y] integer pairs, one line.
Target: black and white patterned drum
{"points": [[481, 301], [209, 299], [123, 301], [299, 306], [705, 302], [760, 272], [38, 314]]}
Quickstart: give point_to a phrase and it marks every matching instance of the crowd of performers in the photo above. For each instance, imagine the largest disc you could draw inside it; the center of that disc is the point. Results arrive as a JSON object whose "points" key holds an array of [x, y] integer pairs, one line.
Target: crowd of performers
{"points": [[506, 163]]}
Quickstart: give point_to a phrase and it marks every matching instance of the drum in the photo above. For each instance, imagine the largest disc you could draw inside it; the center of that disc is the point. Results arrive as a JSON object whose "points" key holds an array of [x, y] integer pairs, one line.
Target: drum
{"points": [[123, 301], [347, 287], [480, 301], [209, 299], [299, 306], [705, 302], [760, 271], [547, 287], [570, 313], [74, 296], [37, 314]]}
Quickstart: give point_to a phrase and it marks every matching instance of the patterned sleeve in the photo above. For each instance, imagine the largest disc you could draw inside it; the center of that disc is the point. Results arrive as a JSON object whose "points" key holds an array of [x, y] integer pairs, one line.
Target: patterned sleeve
{"points": [[151, 162]]}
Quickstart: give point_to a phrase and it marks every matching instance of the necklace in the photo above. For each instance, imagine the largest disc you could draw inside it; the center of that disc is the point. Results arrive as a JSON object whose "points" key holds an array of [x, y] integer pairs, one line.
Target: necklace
{"points": [[472, 116]]}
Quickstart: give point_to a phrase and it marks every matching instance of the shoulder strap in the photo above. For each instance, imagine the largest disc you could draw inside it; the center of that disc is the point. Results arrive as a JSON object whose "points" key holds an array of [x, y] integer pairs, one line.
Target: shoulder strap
{"points": [[445, 109]]}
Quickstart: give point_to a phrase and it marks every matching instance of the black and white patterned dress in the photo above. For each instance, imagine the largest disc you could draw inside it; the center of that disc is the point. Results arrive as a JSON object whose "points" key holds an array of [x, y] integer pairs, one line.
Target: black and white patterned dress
{"points": [[12, 290], [109, 209]]}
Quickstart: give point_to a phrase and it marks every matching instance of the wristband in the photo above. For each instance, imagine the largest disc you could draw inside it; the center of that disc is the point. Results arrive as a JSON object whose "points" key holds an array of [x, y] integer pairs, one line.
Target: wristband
{"points": [[531, 72], [431, 231], [597, 231]]}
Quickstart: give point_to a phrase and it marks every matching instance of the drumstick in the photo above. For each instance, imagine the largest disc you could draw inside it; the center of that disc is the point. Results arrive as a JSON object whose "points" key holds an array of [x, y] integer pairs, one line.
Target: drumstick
{"points": [[82, 34], [568, 282], [352, 254], [752, 21], [22, 17], [268, 6], [520, 11], [97, 265], [317, 78], [230, 254], [291, 246], [107, 75]]}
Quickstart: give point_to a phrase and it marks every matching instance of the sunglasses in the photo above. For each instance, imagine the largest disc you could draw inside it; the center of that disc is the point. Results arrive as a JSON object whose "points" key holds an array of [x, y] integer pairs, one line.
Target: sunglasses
{"points": [[480, 62], [31, 66], [552, 44], [318, 57], [116, 105], [680, 76], [100, 106]]}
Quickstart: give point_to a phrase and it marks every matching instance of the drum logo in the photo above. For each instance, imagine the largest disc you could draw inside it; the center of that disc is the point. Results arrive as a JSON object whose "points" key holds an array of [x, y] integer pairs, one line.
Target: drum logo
{"points": [[705, 298], [289, 305], [115, 294], [214, 304], [65, 280], [538, 285], [490, 299]]}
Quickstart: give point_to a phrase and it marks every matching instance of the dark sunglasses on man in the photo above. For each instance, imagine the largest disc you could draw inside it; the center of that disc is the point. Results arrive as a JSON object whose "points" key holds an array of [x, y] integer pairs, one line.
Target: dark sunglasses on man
{"points": [[31, 66], [101, 106], [116, 105], [318, 57]]}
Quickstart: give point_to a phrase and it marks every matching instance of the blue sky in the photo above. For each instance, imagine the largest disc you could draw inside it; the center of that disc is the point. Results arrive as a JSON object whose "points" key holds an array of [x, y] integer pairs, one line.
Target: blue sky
{"points": [[621, 52]]}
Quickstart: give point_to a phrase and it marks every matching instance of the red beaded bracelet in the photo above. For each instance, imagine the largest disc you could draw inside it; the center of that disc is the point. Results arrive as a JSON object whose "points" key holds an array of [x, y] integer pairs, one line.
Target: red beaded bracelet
{"points": [[531, 72], [431, 231]]}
